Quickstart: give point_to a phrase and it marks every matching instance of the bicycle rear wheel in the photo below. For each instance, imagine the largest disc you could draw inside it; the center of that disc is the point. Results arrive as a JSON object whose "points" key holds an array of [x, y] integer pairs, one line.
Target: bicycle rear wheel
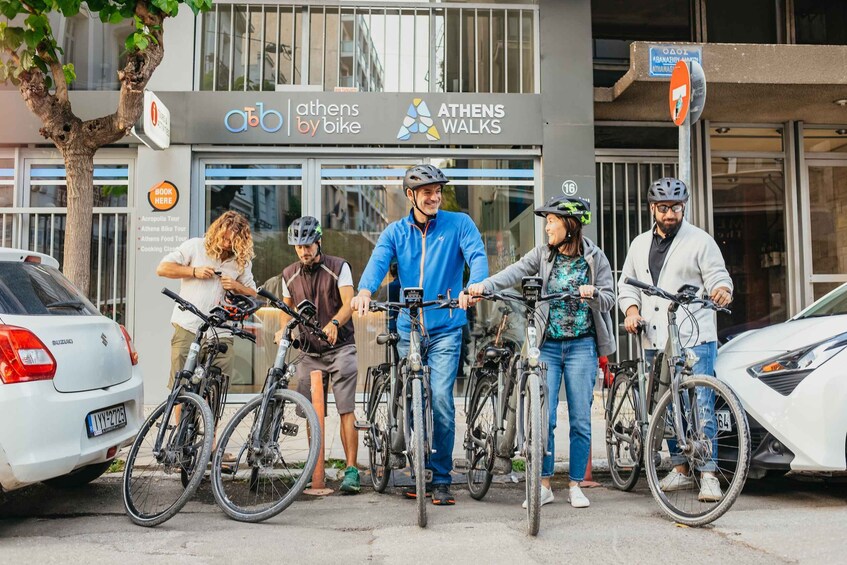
{"points": [[377, 436], [267, 476], [480, 436], [151, 494], [623, 433], [534, 452], [716, 428], [418, 449]]}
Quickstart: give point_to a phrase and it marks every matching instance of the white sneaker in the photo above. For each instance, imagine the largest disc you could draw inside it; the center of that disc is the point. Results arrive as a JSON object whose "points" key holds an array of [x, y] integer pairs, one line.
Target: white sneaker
{"points": [[710, 488], [576, 498], [546, 496], [676, 481]]}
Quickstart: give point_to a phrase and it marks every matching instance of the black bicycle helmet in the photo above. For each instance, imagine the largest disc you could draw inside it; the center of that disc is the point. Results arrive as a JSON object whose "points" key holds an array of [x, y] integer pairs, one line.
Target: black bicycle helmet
{"points": [[304, 231], [667, 189], [572, 206], [422, 175]]}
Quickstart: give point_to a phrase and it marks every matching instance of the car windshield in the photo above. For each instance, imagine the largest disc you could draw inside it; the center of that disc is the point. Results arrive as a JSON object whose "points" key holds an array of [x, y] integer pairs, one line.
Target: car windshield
{"points": [[34, 289], [832, 304]]}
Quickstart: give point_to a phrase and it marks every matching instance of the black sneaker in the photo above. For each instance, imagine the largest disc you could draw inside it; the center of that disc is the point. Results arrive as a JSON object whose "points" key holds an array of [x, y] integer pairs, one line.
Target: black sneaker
{"points": [[442, 496], [412, 492]]}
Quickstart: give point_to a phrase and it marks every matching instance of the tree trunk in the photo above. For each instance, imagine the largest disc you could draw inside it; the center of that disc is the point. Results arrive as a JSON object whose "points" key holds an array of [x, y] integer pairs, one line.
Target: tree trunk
{"points": [[79, 172]]}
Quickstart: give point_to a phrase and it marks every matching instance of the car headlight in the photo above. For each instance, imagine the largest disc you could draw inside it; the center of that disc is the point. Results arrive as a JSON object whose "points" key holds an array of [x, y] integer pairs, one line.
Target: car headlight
{"points": [[802, 360]]}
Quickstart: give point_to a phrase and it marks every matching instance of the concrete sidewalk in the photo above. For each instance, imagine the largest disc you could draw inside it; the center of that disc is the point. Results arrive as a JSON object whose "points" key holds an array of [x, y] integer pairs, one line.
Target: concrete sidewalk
{"points": [[334, 449]]}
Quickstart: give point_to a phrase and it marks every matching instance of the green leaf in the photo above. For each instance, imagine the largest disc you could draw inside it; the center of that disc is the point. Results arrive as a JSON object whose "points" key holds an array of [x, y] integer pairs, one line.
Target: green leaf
{"points": [[141, 42], [70, 73], [32, 38], [38, 23], [11, 8], [11, 38], [48, 82], [41, 64], [69, 8], [26, 60], [116, 18], [129, 44], [4, 72]]}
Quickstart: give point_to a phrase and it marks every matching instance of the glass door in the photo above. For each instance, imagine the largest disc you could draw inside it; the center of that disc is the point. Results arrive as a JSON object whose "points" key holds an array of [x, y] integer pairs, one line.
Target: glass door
{"points": [[826, 216]]}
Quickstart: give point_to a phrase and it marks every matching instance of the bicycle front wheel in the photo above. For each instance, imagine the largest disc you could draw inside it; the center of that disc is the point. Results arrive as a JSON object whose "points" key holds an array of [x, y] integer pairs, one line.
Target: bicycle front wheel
{"points": [[152, 490], [623, 433], [534, 452], [270, 469], [418, 449], [716, 455], [480, 436]]}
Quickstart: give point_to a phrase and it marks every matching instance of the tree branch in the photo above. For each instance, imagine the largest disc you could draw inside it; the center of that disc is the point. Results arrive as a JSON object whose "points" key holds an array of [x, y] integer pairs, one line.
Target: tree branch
{"points": [[58, 78]]}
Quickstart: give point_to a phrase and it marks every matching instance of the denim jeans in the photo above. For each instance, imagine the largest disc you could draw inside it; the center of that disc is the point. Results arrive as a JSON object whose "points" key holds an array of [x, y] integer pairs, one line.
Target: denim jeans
{"points": [[575, 361], [707, 352], [441, 353]]}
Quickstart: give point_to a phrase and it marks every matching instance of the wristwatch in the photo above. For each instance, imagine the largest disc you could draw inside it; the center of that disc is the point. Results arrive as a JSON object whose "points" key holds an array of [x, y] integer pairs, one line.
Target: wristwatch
{"points": [[335, 322]]}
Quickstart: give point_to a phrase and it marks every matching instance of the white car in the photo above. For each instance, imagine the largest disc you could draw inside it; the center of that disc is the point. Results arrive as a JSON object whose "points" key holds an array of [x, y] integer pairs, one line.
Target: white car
{"points": [[70, 386], [792, 380]]}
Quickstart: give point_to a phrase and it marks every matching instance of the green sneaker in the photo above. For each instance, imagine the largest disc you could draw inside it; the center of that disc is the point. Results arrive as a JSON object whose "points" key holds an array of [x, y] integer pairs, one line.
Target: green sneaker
{"points": [[350, 484]]}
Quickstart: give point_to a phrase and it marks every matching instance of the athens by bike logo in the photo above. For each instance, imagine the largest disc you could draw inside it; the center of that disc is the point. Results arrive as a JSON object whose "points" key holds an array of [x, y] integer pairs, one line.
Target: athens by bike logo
{"points": [[237, 121]]}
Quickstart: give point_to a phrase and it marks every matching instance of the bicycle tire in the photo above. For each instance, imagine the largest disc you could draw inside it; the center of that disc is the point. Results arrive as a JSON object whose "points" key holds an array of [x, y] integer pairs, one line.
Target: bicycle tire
{"points": [[212, 397], [534, 454], [186, 449], [379, 448], [624, 455], [679, 504], [419, 450], [480, 438], [263, 482]]}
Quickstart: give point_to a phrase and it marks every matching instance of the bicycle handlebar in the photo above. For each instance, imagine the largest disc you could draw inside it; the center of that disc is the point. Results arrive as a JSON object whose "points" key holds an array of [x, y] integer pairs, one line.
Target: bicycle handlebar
{"points": [[308, 323], [451, 303], [213, 321], [491, 295], [681, 298]]}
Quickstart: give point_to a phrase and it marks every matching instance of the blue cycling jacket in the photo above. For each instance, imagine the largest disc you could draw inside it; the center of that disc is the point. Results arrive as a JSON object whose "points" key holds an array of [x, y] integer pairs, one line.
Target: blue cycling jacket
{"points": [[434, 259]]}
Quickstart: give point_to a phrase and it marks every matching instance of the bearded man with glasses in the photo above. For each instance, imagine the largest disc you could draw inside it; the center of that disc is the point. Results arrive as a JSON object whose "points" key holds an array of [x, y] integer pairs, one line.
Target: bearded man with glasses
{"points": [[674, 253]]}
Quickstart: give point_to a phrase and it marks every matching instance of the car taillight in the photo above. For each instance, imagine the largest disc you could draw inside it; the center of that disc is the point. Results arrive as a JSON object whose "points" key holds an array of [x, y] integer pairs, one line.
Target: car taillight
{"points": [[23, 357], [133, 354]]}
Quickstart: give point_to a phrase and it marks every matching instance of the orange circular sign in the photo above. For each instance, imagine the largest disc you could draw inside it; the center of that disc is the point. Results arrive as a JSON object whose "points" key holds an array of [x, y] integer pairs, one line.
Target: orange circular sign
{"points": [[163, 196], [680, 92]]}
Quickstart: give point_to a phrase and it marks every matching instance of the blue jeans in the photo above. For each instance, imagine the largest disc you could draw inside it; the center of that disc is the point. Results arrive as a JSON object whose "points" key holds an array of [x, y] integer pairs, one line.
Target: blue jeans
{"points": [[575, 361], [707, 352], [441, 353]]}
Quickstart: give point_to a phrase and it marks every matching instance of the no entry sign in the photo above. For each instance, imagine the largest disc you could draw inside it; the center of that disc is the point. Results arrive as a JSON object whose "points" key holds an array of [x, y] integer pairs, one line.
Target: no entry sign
{"points": [[680, 93]]}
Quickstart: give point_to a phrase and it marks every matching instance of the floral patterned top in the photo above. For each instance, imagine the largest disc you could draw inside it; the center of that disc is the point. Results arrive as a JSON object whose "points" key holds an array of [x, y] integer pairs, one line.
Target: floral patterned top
{"points": [[569, 318]]}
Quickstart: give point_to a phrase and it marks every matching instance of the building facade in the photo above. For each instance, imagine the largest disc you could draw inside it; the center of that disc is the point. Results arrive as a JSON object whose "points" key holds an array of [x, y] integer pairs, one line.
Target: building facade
{"points": [[285, 108]]}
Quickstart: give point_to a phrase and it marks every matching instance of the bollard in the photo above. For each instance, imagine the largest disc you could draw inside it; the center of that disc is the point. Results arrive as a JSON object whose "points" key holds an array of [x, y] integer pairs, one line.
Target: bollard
{"points": [[588, 482], [319, 475]]}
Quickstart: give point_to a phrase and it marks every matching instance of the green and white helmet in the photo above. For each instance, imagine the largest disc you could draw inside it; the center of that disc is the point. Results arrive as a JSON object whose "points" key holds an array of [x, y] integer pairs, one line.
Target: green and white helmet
{"points": [[564, 206]]}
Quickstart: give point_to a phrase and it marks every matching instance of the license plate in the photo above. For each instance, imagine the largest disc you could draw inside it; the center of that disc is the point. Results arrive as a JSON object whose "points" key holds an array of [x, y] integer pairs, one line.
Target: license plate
{"points": [[724, 420], [106, 420]]}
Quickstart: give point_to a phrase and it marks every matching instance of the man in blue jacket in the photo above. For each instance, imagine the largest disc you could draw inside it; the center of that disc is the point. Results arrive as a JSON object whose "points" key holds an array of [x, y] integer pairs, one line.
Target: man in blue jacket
{"points": [[431, 248]]}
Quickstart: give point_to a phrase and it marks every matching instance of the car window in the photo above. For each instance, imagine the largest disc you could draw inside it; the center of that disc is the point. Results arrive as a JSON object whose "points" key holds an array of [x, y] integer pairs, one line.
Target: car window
{"points": [[832, 304], [34, 289]]}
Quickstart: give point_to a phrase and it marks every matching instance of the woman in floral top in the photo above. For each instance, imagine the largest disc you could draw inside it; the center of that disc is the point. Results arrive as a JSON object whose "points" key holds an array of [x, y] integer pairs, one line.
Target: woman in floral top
{"points": [[576, 331]]}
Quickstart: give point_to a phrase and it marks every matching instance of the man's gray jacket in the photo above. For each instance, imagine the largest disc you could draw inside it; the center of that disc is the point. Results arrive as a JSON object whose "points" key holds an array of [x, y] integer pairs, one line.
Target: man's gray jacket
{"points": [[693, 258]]}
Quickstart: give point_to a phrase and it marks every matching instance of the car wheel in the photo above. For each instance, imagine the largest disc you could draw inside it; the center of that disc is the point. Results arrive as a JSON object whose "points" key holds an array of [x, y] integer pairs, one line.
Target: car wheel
{"points": [[79, 477]]}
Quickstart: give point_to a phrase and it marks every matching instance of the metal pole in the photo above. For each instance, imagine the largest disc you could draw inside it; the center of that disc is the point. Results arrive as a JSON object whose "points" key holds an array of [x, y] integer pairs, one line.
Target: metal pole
{"points": [[685, 153]]}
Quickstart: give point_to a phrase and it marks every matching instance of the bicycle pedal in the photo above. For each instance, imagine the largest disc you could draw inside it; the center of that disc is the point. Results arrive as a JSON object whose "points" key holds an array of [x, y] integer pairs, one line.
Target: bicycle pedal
{"points": [[428, 475], [362, 425], [461, 465], [289, 429]]}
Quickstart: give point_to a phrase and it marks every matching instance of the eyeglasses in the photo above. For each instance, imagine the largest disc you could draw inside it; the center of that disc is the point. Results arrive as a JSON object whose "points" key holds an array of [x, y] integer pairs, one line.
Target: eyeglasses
{"points": [[663, 208]]}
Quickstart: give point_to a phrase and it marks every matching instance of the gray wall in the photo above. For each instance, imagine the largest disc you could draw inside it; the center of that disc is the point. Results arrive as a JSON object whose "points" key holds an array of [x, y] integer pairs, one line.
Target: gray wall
{"points": [[175, 72], [567, 99]]}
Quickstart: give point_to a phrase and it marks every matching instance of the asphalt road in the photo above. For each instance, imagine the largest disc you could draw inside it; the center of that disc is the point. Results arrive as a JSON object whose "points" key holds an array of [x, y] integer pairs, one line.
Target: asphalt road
{"points": [[785, 520]]}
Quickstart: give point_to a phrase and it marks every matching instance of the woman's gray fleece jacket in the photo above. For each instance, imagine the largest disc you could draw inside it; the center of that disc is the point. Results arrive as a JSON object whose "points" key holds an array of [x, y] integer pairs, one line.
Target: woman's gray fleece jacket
{"points": [[535, 263]]}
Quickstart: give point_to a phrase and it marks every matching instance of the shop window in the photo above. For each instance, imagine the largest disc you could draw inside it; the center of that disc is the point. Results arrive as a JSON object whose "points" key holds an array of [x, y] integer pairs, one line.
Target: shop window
{"points": [[828, 224], [820, 22], [752, 21], [617, 23], [825, 140]]}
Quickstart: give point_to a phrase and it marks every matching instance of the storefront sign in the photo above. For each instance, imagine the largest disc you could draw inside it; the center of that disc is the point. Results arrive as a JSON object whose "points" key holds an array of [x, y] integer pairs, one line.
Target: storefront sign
{"points": [[663, 58], [154, 128], [163, 197], [362, 118]]}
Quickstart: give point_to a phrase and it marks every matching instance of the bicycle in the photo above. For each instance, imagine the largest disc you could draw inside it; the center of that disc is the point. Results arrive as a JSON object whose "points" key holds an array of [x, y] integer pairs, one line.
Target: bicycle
{"points": [[403, 432], [276, 436], [647, 409], [507, 407], [163, 448]]}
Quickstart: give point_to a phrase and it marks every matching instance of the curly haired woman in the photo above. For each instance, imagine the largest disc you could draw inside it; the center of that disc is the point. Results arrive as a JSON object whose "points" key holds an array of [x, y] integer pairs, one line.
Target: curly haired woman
{"points": [[207, 267]]}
